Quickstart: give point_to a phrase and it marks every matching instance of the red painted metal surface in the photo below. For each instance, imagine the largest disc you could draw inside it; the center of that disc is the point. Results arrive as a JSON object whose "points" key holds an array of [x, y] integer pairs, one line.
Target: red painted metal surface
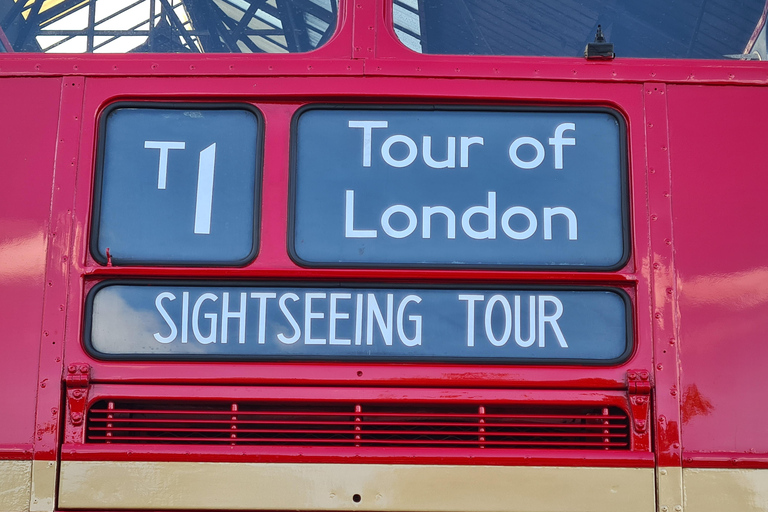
{"points": [[28, 117], [661, 272], [278, 99], [697, 276], [722, 267], [414, 408]]}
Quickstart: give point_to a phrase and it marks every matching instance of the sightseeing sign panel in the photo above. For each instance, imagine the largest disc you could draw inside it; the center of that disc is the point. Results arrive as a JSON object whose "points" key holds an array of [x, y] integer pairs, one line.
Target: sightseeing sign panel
{"points": [[523, 188], [253, 321]]}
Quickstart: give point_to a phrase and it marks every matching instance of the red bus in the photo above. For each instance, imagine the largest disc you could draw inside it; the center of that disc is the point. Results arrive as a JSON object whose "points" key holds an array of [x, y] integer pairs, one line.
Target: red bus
{"points": [[398, 255]]}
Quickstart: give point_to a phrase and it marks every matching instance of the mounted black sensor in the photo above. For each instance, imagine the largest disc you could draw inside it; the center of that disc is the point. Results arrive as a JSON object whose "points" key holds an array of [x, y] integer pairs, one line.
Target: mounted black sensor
{"points": [[600, 49]]}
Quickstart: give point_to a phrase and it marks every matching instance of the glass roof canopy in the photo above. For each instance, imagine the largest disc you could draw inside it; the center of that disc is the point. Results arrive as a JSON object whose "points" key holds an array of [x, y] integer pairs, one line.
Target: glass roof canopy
{"points": [[693, 29], [166, 26], [708, 29]]}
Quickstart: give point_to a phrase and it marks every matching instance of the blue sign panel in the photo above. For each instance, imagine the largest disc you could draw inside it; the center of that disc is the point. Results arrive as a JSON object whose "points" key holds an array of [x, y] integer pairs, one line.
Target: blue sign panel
{"points": [[415, 187], [208, 322], [177, 185]]}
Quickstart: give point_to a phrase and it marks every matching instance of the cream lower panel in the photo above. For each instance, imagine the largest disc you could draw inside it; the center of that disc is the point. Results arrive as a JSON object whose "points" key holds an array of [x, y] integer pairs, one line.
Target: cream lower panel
{"points": [[370, 487], [15, 484], [720, 490]]}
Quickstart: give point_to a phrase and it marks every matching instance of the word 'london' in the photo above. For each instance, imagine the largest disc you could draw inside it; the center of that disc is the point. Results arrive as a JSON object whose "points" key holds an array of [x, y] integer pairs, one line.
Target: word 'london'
{"points": [[558, 141]]}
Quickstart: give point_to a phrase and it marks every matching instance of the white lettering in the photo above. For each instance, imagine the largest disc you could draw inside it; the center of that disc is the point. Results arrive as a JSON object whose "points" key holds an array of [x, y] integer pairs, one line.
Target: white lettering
{"points": [[184, 317], [359, 319], [471, 299], [465, 143], [334, 316], [309, 315], [573, 231], [367, 127], [387, 147], [291, 320], [204, 201], [498, 342], [531, 322], [212, 317], [349, 219], [416, 319], [558, 141], [450, 159], [550, 319], [518, 235], [166, 317], [426, 216], [398, 233], [164, 147], [374, 312], [226, 315], [262, 297], [489, 211], [529, 141]]}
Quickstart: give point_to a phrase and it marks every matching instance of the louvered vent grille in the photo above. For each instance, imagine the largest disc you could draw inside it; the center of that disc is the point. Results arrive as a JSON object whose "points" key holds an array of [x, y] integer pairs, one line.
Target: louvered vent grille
{"points": [[358, 425]]}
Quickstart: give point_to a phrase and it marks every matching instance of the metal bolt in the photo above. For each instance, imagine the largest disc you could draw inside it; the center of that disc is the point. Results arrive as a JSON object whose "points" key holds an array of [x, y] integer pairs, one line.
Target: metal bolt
{"points": [[84, 368], [664, 509], [71, 368], [678, 508], [77, 418], [77, 393], [663, 472]]}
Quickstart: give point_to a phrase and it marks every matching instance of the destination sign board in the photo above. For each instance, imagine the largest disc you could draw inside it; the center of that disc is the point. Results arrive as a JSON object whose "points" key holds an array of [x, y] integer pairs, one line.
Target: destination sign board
{"points": [[294, 323], [518, 188], [177, 184]]}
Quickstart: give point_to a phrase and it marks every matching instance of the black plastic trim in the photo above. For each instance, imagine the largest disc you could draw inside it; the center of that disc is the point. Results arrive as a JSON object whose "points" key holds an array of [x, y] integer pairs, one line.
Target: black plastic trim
{"points": [[88, 311], [98, 179], [625, 207]]}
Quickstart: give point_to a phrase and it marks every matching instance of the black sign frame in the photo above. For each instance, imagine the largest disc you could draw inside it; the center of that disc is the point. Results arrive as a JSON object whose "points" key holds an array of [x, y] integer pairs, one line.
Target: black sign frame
{"points": [[96, 199], [629, 349], [624, 186]]}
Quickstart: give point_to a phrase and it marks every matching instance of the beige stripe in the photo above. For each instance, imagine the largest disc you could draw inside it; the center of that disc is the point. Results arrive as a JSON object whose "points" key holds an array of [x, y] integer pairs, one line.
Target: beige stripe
{"points": [[670, 488], [43, 486], [15, 484], [724, 490], [187, 485]]}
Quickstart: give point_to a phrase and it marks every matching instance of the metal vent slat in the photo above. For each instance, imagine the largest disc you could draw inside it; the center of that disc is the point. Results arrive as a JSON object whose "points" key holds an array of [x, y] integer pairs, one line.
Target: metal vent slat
{"points": [[312, 423]]}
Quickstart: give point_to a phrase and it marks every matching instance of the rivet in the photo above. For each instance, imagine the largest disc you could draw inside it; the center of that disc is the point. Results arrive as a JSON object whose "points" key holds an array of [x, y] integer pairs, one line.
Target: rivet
{"points": [[663, 472], [678, 508]]}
